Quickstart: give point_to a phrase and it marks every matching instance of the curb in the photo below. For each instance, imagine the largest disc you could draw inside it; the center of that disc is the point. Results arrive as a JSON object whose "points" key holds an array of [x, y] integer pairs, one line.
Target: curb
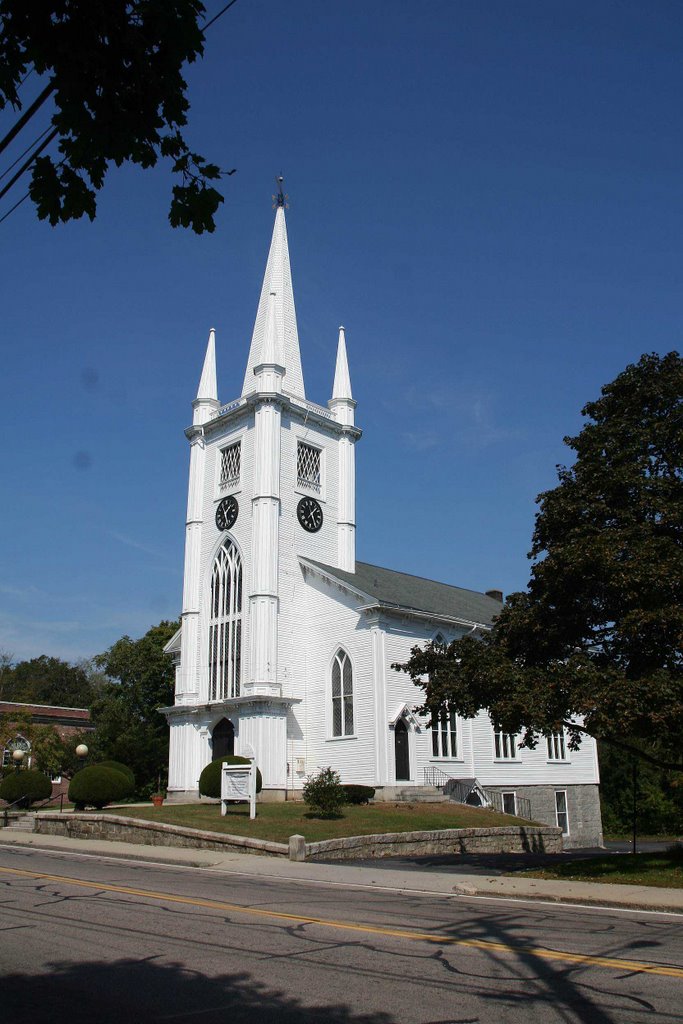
{"points": [[587, 900]]}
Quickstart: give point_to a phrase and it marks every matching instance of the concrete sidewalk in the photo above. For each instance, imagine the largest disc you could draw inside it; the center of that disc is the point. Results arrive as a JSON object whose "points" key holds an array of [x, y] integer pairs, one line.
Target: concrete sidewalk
{"points": [[441, 882]]}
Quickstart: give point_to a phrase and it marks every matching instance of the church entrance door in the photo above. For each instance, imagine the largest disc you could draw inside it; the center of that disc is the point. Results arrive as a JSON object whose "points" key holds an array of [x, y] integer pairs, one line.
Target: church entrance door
{"points": [[402, 751], [223, 739]]}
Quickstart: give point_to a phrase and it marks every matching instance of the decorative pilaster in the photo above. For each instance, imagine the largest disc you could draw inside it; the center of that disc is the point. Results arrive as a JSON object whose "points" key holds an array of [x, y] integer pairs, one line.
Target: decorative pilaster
{"points": [[343, 407]]}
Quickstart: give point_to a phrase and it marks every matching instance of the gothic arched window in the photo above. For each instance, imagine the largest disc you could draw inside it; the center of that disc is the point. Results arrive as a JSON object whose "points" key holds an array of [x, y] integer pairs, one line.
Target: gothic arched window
{"points": [[342, 695], [225, 624]]}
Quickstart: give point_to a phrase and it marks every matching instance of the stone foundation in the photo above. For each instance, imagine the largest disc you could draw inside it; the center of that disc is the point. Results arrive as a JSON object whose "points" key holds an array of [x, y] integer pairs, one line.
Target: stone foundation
{"points": [[583, 805]]}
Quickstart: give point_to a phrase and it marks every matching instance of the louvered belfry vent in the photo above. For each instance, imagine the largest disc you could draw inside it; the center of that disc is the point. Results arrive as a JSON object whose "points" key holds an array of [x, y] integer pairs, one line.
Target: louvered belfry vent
{"points": [[230, 466], [308, 466]]}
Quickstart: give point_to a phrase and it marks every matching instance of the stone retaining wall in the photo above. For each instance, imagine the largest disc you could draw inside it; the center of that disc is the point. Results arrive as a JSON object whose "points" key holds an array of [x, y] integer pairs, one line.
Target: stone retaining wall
{"points": [[117, 828], [511, 839]]}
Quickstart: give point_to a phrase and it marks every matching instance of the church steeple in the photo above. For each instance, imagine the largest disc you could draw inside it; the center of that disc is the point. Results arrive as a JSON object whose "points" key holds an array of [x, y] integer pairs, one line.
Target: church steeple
{"points": [[206, 401], [342, 380], [278, 280]]}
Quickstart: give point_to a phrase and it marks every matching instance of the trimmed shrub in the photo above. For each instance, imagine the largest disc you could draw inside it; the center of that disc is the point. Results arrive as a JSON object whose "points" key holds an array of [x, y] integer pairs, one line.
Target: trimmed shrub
{"points": [[98, 786], [27, 786], [119, 767], [210, 779], [358, 794], [324, 793]]}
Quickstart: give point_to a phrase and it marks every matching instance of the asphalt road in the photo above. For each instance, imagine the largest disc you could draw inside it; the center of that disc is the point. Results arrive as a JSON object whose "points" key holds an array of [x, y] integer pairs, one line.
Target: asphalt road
{"points": [[98, 941]]}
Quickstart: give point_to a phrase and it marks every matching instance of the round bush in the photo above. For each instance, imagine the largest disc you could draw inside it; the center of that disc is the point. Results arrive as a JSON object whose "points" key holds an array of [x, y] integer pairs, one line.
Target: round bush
{"points": [[324, 793], [28, 786], [210, 779], [98, 786], [119, 767]]}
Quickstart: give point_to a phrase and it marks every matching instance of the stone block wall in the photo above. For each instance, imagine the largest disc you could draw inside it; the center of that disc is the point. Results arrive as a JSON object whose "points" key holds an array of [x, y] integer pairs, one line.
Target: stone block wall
{"points": [[583, 805]]}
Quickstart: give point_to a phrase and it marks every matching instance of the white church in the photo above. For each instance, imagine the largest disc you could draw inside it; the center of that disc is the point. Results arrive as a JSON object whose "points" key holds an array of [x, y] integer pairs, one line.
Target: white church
{"points": [[287, 641]]}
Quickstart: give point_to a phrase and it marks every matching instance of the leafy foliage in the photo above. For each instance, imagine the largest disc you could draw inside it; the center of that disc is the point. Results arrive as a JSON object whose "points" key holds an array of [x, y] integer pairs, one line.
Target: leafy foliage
{"points": [[118, 767], [113, 72], [595, 644], [98, 786], [210, 778], [324, 793], [46, 680], [29, 785], [659, 795], [128, 726]]}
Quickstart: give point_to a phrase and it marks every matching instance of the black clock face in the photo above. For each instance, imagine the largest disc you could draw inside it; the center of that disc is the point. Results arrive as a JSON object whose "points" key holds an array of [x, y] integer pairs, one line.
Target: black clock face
{"points": [[226, 513], [309, 514]]}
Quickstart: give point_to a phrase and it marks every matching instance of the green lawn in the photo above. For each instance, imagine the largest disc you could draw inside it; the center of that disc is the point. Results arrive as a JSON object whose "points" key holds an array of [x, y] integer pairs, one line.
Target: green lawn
{"points": [[664, 870], [277, 822]]}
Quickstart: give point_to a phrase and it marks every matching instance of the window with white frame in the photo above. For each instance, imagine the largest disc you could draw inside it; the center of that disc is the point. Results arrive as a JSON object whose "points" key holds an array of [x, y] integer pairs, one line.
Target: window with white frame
{"points": [[561, 811], [440, 639], [444, 735], [308, 472], [225, 624], [505, 745], [509, 803], [557, 750], [231, 462], [342, 695]]}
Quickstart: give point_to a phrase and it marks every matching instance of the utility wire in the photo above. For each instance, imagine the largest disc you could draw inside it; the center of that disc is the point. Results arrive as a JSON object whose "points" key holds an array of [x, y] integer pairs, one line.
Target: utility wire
{"points": [[13, 208], [22, 155], [217, 16], [27, 163]]}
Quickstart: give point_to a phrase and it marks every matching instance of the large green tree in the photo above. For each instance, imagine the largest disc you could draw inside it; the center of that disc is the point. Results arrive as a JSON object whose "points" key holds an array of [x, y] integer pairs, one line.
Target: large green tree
{"points": [[46, 680], [128, 726], [595, 644], [111, 76]]}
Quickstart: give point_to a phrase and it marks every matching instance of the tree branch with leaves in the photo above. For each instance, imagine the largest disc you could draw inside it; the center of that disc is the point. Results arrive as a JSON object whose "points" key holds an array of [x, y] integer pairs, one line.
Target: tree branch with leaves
{"points": [[113, 73]]}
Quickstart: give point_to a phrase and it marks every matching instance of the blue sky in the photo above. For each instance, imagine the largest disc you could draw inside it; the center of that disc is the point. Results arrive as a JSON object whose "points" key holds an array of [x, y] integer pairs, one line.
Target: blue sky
{"points": [[487, 195]]}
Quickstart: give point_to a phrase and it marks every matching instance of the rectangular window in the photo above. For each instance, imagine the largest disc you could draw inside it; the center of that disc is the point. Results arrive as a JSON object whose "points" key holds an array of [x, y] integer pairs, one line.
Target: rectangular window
{"points": [[561, 811], [509, 803], [444, 735], [505, 745], [308, 467], [556, 747], [231, 461]]}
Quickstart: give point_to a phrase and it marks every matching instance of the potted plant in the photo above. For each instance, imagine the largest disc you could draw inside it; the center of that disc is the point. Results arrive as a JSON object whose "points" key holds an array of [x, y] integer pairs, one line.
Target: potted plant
{"points": [[158, 797]]}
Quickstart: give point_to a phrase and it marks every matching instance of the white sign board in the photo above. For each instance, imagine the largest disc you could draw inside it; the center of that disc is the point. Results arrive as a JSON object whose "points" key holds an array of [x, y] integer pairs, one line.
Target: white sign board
{"points": [[238, 783]]}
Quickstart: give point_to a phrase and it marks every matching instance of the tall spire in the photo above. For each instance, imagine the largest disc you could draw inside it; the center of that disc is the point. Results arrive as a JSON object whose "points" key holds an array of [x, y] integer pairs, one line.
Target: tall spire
{"points": [[342, 380], [208, 388], [277, 279], [206, 403]]}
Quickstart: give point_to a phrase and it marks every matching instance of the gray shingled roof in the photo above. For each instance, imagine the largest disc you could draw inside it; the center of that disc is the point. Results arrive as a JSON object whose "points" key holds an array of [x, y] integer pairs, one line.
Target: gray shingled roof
{"points": [[400, 590]]}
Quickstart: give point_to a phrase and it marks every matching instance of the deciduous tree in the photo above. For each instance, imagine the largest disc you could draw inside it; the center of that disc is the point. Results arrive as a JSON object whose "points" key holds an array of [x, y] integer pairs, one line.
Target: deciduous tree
{"points": [[595, 644]]}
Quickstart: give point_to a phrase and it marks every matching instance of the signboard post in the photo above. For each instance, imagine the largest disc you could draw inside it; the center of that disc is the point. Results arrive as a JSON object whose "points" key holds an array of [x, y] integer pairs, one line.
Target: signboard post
{"points": [[238, 783]]}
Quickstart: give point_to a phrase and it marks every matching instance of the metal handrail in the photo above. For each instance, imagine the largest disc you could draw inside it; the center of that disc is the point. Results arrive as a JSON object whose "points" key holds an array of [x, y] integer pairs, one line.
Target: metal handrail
{"points": [[21, 800], [456, 790]]}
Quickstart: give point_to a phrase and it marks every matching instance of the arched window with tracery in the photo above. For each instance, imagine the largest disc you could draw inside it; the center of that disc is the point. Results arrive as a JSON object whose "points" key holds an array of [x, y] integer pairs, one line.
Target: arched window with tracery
{"points": [[342, 695], [225, 624]]}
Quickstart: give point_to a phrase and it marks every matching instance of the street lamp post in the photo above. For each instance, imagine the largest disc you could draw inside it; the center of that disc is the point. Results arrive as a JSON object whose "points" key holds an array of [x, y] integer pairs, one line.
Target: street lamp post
{"points": [[81, 754], [18, 758]]}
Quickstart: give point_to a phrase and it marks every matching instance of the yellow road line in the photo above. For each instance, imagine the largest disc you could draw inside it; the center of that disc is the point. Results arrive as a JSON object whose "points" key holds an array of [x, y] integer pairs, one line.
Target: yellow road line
{"points": [[637, 966]]}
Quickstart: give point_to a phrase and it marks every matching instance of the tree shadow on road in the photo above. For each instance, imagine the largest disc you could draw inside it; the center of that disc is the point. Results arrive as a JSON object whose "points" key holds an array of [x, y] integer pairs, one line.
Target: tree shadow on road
{"points": [[151, 992]]}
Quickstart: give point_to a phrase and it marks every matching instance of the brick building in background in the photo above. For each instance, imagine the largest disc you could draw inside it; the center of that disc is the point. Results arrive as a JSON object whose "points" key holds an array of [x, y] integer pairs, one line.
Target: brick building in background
{"points": [[65, 721]]}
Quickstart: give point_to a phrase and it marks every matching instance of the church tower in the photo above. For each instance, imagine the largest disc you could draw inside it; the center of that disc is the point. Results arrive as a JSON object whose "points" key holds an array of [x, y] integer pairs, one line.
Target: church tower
{"points": [[272, 480]]}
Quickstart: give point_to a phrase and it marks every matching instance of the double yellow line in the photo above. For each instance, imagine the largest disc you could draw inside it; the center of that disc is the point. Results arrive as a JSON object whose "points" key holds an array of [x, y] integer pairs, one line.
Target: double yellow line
{"points": [[540, 953]]}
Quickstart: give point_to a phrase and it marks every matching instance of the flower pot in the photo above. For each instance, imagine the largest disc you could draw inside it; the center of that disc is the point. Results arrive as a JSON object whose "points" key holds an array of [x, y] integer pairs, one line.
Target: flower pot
{"points": [[157, 800]]}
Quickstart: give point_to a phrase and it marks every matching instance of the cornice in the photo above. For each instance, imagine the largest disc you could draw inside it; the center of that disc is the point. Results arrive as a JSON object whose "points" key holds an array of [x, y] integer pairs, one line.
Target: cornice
{"points": [[298, 408]]}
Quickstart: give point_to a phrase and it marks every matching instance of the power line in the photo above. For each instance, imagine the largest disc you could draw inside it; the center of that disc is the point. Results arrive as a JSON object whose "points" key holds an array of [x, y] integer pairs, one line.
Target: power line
{"points": [[217, 16], [13, 208], [22, 155]]}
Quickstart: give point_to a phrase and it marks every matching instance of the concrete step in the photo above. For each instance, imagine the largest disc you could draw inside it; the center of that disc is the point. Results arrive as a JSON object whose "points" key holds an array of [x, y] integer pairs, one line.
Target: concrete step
{"points": [[420, 795], [21, 822]]}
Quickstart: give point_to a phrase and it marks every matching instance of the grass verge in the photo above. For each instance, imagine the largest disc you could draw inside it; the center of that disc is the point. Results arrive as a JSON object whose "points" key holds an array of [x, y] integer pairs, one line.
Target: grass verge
{"points": [[663, 870], [277, 822]]}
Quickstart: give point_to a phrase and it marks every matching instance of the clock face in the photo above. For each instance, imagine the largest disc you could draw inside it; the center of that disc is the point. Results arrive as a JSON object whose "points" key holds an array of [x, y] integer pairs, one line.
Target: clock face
{"points": [[226, 513], [309, 514]]}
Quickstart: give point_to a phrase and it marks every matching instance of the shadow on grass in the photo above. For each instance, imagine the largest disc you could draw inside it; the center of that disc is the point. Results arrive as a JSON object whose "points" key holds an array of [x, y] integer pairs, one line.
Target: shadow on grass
{"points": [[134, 991]]}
